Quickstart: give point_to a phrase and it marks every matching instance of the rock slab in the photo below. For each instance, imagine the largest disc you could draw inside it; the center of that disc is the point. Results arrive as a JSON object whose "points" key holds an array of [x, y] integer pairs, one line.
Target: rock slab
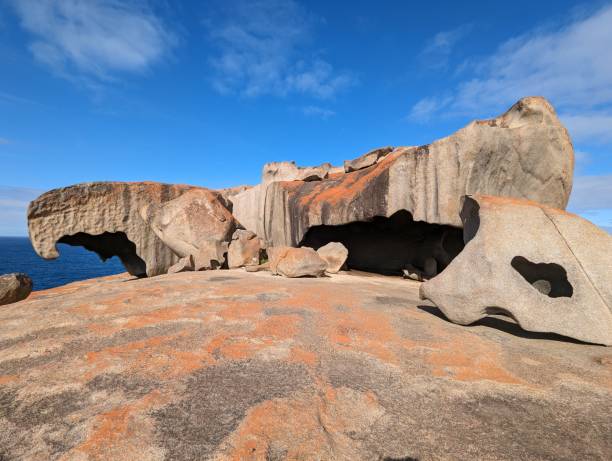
{"points": [[524, 153]]}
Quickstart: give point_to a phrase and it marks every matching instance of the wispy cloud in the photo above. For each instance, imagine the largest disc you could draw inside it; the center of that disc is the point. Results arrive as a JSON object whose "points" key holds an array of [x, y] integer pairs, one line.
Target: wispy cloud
{"points": [[4, 141], [94, 41], [13, 208], [316, 111], [262, 49], [566, 64], [592, 199], [438, 49]]}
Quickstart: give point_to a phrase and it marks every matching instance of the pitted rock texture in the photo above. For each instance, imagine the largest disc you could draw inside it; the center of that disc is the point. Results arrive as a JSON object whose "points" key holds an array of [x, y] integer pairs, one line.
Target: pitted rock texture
{"points": [[524, 153], [104, 217], [14, 287], [255, 367], [198, 223], [548, 269]]}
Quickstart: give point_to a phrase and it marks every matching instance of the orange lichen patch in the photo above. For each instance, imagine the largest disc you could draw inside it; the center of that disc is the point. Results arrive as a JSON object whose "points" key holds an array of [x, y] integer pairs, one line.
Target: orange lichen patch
{"points": [[291, 426], [5, 379], [468, 358], [490, 201], [300, 355], [155, 356], [118, 433]]}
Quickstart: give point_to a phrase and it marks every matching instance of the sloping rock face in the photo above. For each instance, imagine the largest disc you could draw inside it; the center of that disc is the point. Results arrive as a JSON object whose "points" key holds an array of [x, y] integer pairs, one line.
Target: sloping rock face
{"points": [[14, 287], [254, 367], [104, 217], [548, 269], [525, 153], [197, 223]]}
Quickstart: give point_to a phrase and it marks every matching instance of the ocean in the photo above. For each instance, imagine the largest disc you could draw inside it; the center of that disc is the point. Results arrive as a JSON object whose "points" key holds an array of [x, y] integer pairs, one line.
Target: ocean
{"points": [[74, 263]]}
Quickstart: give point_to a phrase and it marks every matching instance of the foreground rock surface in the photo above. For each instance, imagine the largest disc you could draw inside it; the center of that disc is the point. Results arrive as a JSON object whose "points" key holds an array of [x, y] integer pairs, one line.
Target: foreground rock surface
{"points": [[14, 288], [547, 268], [524, 153], [232, 365], [104, 217]]}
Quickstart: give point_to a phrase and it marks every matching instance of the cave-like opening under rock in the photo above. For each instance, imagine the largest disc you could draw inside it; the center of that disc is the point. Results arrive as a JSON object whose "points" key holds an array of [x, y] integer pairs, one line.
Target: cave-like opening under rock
{"points": [[110, 244], [389, 245]]}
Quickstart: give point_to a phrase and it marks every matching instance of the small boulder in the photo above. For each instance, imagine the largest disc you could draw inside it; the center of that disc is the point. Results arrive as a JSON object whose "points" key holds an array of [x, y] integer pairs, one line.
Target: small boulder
{"points": [[296, 262], [334, 254], [185, 264], [14, 287], [244, 250]]}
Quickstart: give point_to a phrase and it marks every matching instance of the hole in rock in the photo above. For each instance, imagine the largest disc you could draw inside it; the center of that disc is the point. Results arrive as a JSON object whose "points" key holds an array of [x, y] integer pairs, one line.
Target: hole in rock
{"points": [[110, 244], [548, 278], [390, 245]]}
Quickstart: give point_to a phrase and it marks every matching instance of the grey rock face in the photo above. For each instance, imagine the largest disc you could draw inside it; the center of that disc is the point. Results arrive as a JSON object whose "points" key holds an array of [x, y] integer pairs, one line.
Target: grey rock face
{"points": [[334, 254], [14, 287], [197, 223], [104, 217], [368, 159], [548, 269], [524, 153], [296, 262]]}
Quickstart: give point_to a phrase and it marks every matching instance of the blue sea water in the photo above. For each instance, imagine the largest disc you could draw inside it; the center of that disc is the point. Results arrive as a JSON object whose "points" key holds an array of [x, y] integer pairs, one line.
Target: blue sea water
{"points": [[74, 263]]}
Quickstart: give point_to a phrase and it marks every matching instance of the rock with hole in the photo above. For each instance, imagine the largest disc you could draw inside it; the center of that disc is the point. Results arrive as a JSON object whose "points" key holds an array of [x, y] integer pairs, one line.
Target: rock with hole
{"points": [[104, 217], [548, 269]]}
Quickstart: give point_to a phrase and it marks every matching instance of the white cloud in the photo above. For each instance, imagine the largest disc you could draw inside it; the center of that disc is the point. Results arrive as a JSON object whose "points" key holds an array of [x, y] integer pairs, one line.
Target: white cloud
{"points": [[426, 108], [568, 65], [14, 203], [316, 111], [438, 49], [261, 50], [595, 128], [591, 193], [94, 40]]}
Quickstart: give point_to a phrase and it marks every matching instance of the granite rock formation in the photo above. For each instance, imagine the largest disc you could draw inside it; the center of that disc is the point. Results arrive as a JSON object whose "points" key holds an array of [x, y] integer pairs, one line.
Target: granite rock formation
{"points": [[237, 366], [14, 287], [197, 223], [548, 269], [366, 160], [104, 217], [524, 153]]}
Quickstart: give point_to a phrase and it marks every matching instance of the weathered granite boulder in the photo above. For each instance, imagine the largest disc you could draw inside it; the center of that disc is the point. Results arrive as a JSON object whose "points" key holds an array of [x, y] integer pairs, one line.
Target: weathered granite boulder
{"points": [[245, 249], [197, 223], [524, 153], [334, 254], [14, 287], [366, 160], [186, 264], [548, 269], [296, 262], [104, 217]]}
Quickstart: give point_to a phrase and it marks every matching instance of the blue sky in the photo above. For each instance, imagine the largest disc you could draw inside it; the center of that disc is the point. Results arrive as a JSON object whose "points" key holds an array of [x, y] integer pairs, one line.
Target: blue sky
{"points": [[207, 92]]}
